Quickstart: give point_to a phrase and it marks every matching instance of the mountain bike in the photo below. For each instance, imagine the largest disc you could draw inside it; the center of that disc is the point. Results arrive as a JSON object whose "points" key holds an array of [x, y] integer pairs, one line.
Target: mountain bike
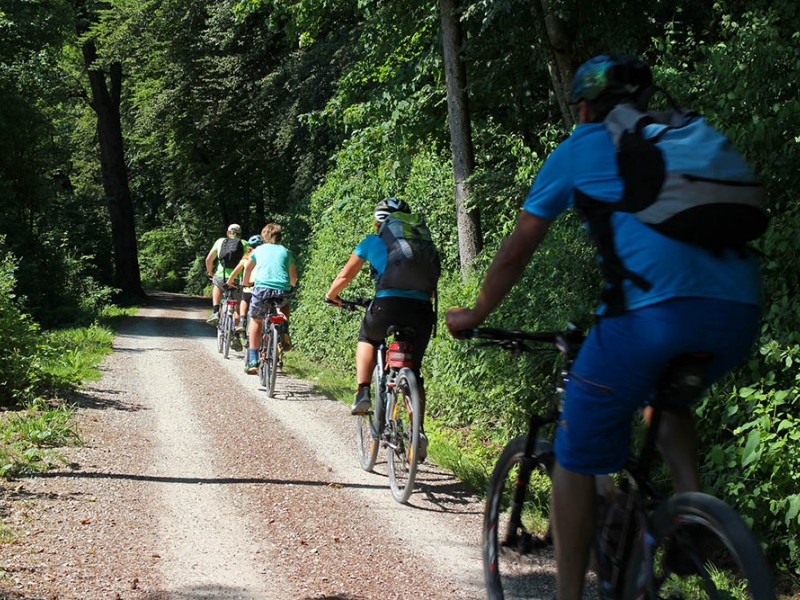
{"points": [[688, 545], [270, 352], [225, 327], [394, 421]]}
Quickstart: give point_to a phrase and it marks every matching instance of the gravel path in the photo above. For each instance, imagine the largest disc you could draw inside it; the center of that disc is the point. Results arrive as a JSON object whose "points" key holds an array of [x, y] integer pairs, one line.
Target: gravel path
{"points": [[192, 484]]}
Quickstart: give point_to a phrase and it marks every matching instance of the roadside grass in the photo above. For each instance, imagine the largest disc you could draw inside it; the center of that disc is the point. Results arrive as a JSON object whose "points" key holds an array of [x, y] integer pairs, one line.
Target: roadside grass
{"points": [[462, 451], [30, 434]]}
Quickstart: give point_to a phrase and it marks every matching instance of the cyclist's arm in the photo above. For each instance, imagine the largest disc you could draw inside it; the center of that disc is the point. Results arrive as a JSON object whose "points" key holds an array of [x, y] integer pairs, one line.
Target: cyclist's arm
{"points": [[248, 273], [510, 261], [293, 275], [345, 276], [239, 268], [210, 258]]}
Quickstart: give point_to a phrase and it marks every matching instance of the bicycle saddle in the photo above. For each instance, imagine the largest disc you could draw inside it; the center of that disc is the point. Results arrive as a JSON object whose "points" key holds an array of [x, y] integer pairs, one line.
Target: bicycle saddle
{"points": [[684, 379], [401, 332]]}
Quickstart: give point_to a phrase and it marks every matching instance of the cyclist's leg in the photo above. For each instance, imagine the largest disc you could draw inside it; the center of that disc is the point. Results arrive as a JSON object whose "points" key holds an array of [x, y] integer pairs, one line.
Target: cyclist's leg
{"points": [[259, 309], [727, 330], [572, 514], [254, 337], [617, 368], [421, 317], [216, 293], [679, 444], [216, 300], [365, 362], [616, 371]]}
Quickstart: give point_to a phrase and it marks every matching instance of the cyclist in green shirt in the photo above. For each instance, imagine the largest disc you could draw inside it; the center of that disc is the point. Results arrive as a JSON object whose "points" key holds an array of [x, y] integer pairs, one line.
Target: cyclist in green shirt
{"points": [[221, 273]]}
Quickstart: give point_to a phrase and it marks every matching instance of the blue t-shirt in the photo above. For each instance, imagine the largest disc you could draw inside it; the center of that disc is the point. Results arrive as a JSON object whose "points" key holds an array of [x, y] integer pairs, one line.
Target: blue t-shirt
{"points": [[373, 250], [586, 161], [272, 267]]}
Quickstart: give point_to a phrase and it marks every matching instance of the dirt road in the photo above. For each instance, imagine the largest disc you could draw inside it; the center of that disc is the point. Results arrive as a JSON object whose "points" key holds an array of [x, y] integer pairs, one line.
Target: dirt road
{"points": [[191, 483]]}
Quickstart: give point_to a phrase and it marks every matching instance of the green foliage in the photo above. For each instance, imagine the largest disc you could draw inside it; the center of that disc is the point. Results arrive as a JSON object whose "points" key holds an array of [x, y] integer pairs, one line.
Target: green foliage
{"points": [[18, 339], [750, 422], [70, 356], [27, 438], [165, 258]]}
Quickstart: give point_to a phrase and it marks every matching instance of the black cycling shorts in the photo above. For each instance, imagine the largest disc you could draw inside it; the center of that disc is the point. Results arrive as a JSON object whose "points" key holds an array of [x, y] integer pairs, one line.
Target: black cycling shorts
{"points": [[403, 312]]}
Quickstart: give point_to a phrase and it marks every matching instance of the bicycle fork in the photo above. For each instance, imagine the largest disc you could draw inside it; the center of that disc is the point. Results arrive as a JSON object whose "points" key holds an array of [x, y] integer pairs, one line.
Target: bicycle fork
{"points": [[516, 535]]}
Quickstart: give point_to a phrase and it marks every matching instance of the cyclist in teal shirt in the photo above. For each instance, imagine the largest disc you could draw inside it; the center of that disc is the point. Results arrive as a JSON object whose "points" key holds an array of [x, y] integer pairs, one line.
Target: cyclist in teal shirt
{"points": [[696, 301], [273, 274]]}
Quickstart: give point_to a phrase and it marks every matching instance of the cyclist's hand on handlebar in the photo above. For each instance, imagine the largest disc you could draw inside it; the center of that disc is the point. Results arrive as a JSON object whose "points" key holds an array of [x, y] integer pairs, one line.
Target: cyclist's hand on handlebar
{"points": [[337, 301], [459, 320]]}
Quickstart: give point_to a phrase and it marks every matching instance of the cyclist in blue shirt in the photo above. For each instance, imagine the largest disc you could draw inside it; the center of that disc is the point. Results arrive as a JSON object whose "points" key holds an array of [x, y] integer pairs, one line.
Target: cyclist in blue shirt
{"points": [[393, 306], [696, 301]]}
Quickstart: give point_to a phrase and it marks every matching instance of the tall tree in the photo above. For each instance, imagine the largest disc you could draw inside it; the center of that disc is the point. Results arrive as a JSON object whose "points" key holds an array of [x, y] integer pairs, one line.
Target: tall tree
{"points": [[467, 218], [106, 89], [561, 62]]}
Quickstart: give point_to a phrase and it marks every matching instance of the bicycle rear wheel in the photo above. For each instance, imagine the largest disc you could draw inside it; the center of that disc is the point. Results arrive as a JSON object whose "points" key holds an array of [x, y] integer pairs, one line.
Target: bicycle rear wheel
{"points": [[272, 359], [227, 334], [263, 354], [700, 548], [221, 331], [402, 408], [368, 427], [517, 557]]}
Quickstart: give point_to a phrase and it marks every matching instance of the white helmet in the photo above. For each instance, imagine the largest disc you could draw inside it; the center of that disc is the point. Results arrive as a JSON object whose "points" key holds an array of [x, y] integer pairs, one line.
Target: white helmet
{"points": [[389, 205]]}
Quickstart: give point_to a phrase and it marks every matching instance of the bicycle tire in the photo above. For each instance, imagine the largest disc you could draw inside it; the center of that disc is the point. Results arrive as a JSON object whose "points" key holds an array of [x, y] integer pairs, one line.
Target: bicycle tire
{"points": [[220, 333], [228, 335], [272, 360], [263, 363], [403, 425], [369, 426], [700, 548], [515, 563]]}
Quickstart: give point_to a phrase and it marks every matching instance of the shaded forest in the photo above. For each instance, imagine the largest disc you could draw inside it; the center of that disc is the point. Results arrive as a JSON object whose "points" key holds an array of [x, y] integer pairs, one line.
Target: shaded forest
{"points": [[134, 131]]}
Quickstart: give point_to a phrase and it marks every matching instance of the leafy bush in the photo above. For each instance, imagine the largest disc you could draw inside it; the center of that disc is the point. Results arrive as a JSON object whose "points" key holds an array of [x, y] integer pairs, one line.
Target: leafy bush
{"points": [[750, 422], [18, 339], [29, 435]]}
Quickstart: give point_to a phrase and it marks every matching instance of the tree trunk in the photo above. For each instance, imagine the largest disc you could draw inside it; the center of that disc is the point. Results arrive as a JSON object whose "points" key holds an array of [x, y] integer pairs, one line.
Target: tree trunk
{"points": [[561, 64], [114, 171], [470, 241]]}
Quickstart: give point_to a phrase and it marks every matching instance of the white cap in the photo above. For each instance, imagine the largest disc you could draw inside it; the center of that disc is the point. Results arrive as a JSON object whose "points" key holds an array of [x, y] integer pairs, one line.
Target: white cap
{"points": [[235, 228]]}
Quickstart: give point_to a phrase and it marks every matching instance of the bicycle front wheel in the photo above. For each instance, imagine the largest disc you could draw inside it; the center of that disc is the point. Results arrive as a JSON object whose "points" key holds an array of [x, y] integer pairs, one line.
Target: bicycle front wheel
{"points": [[517, 546], [403, 424], [698, 547], [368, 427], [272, 359]]}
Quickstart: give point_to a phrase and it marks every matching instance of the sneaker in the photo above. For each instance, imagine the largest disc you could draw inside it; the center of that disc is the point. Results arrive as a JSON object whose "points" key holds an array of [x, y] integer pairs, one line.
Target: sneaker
{"points": [[236, 343], [239, 330], [422, 448], [213, 320], [252, 367], [361, 403]]}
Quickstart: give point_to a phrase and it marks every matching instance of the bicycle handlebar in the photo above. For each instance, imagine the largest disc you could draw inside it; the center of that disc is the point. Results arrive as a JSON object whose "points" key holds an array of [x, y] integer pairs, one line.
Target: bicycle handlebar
{"points": [[350, 305], [567, 341]]}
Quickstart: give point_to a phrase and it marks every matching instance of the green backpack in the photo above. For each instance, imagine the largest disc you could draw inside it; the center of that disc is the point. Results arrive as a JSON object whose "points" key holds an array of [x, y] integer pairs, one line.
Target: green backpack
{"points": [[413, 261]]}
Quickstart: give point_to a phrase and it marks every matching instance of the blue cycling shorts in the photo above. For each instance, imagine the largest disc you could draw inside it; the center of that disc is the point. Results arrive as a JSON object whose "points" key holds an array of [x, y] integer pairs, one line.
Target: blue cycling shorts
{"points": [[621, 361]]}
